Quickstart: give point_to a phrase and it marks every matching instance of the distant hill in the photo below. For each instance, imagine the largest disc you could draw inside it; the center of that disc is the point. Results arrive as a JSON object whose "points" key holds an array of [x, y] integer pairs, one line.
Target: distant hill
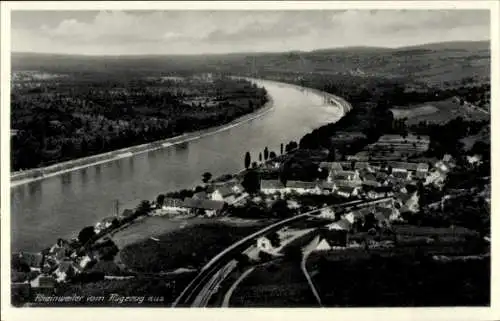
{"points": [[429, 63], [452, 45]]}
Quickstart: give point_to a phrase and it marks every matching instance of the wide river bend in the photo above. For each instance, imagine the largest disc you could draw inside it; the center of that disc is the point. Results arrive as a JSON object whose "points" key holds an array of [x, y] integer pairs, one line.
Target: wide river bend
{"points": [[59, 206]]}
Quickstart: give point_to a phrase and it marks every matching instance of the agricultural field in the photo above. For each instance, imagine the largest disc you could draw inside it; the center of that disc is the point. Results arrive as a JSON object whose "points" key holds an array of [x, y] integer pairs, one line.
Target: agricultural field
{"points": [[437, 112], [189, 247], [279, 284]]}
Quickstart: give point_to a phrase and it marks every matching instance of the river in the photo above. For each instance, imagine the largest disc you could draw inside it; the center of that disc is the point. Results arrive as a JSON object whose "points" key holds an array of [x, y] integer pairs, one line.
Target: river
{"points": [[59, 206]]}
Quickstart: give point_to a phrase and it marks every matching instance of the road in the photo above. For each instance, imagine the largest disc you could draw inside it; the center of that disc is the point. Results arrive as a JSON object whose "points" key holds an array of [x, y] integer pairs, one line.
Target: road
{"points": [[305, 254], [206, 283]]}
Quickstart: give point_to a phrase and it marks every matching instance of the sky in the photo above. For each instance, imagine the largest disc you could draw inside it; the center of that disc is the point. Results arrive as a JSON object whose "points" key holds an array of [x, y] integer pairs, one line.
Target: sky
{"points": [[203, 32]]}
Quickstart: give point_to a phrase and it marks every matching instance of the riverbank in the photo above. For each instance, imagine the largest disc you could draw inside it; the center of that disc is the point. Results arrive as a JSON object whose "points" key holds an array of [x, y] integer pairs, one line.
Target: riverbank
{"points": [[88, 200], [28, 176], [333, 99]]}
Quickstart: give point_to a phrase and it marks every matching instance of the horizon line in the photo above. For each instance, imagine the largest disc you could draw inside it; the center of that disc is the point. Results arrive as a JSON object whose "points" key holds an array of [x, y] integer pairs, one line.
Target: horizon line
{"points": [[255, 52]]}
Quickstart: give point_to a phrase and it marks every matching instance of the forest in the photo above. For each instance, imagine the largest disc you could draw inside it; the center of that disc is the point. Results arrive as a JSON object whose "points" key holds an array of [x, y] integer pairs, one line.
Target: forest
{"points": [[59, 120]]}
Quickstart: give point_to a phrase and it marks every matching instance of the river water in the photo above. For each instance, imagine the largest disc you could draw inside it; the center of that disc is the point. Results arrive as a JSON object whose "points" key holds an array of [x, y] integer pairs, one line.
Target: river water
{"points": [[60, 206]]}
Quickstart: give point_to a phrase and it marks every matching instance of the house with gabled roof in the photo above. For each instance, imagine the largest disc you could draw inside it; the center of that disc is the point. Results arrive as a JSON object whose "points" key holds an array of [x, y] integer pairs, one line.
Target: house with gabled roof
{"points": [[208, 207], [381, 176], [328, 213], [402, 175], [390, 213], [331, 166], [271, 186], [221, 193], [65, 270], [344, 175], [362, 166], [368, 184], [202, 195], [420, 175], [379, 192], [347, 192], [173, 206], [328, 187], [302, 187], [422, 168], [408, 202], [342, 224]]}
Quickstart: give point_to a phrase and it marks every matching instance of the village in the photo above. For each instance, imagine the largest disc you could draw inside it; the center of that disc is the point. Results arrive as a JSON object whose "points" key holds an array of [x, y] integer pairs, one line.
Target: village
{"points": [[389, 189]]}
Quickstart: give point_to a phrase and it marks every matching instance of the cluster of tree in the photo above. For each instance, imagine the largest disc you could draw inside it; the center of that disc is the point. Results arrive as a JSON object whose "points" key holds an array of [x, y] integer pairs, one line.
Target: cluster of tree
{"points": [[74, 118], [278, 210], [87, 236], [453, 283]]}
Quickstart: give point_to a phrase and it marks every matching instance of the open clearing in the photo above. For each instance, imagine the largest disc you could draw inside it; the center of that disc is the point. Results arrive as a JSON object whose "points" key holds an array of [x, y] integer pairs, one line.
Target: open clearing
{"points": [[436, 112]]}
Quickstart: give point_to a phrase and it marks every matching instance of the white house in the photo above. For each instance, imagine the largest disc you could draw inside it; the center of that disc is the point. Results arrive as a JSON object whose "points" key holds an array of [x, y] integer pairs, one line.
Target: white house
{"points": [[223, 193], [347, 192], [343, 175], [303, 187], [474, 159], [442, 166], [402, 175], [65, 270], [264, 244], [104, 224], [173, 206], [323, 245], [408, 202], [350, 217], [328, 213], [422, 167], [85, 261], [292, 204], [435, 177], [328, 187], [342, 224]]}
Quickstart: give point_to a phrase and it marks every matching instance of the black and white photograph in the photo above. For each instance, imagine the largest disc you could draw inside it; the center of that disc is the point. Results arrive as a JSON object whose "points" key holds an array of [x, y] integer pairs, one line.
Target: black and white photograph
{"points": [[248, 158]]}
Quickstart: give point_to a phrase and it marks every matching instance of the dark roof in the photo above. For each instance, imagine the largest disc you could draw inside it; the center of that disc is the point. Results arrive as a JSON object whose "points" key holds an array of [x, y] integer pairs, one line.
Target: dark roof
{"points": [[401, 175], [237, 186], [369, 177], [172, 202], [224, 190], [327, 185], [344, 224], [331, 166], [200, 195], [271, 184], [385, 211], [371, 183], [396, 181], [203, 204], [404, 165], [361, 165], [380, 217], [32, 259], [46, 282], [383, 189], [381, 175], [404, 197], [66, 266], [347, 183], [301, 184], [346, 189], [423, 166]]}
